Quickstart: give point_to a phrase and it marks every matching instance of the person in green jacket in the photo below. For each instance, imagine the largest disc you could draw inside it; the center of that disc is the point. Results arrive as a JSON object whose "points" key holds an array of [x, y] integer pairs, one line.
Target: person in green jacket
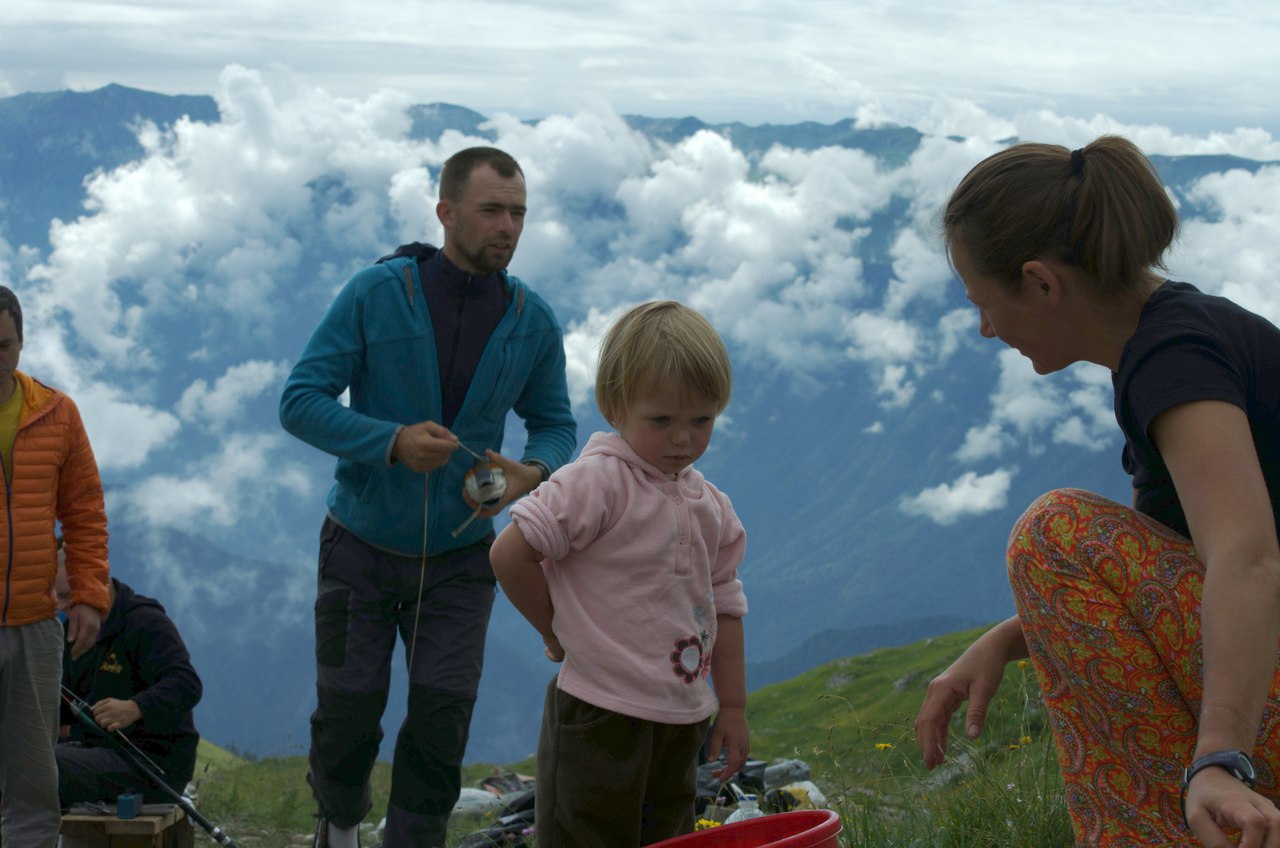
{"points": [[435, 347]]}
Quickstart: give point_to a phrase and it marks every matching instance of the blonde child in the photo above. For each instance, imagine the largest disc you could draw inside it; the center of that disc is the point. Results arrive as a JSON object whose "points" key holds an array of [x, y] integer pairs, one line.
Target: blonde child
{"points": [[625, 562]]}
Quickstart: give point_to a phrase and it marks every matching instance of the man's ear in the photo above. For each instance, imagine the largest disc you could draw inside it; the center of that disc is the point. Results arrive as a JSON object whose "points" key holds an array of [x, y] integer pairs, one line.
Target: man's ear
{"points": [[1044, 279], [444, 214]]}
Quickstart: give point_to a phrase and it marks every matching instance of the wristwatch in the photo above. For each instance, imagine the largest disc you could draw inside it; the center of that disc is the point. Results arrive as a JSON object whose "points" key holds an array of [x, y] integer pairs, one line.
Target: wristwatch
{"points": [[1235, 762], [541, 466]]}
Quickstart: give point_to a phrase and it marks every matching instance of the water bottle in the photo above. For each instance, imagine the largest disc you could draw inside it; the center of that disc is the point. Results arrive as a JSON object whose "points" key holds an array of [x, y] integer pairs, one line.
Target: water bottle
{"points": [[747, 809]]}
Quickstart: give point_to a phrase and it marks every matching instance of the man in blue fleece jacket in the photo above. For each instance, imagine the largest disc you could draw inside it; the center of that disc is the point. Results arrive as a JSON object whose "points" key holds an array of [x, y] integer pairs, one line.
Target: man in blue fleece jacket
{"points": [[434, 348]]}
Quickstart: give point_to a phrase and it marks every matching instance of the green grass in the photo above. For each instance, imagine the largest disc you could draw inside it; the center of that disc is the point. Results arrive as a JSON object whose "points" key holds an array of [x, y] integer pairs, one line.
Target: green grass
{"points": [[850, 720]]}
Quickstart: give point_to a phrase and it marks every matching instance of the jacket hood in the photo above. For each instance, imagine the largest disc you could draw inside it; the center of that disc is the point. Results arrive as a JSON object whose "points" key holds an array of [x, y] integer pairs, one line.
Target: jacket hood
{"points": [[126, 601], [37, 398], [611, 444]]}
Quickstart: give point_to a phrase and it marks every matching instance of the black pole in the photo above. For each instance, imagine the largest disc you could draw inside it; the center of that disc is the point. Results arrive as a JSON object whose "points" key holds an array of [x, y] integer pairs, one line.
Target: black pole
{"points": [[75, 702]]}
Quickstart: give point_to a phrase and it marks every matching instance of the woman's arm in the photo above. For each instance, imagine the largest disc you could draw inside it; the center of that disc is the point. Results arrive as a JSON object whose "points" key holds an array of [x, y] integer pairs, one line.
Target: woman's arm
{"points": [[1208, 448]]}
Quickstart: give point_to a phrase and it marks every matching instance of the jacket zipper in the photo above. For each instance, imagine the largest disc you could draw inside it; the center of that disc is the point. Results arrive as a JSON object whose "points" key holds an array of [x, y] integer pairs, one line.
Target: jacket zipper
{"points": [[8, 514]]}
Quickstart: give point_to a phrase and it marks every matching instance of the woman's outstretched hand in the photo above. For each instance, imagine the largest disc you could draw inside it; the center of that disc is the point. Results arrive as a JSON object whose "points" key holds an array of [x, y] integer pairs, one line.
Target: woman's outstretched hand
{"points": [[973, 677]]}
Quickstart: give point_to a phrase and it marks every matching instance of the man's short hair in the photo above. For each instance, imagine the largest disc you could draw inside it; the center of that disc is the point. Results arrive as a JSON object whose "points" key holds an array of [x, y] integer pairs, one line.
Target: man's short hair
{"points": [[9, 303], [457, 169]]}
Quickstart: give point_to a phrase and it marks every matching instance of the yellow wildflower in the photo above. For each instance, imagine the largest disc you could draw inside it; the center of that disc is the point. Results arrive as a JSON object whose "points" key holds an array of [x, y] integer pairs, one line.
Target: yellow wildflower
{"points": [[884, 746]]}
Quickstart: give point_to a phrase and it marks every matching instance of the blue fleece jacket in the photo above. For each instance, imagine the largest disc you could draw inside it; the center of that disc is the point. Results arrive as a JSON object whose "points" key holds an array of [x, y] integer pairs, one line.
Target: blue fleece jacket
{"points": [[377, 341]]}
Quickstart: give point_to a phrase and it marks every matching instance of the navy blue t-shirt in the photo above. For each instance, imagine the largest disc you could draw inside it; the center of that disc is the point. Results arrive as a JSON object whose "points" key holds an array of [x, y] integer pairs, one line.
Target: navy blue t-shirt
{"points": [[1193, 346]]}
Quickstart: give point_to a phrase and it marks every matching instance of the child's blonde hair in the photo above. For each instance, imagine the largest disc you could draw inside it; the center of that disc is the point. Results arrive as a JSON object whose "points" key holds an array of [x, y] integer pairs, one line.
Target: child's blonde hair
{"points": [[657, 344]]}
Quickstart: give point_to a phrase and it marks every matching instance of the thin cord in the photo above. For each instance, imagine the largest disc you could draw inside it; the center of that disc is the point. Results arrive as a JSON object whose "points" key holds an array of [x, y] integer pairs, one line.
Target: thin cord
{"points": [[422, 570]]}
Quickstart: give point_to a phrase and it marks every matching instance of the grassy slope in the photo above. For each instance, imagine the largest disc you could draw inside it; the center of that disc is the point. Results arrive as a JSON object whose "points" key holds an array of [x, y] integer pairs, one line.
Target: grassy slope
{"points": [[832, 717]]}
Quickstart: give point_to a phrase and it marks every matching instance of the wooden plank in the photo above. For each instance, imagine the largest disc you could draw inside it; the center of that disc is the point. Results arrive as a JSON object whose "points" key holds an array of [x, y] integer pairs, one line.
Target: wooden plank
{"points": [[96, 830]]}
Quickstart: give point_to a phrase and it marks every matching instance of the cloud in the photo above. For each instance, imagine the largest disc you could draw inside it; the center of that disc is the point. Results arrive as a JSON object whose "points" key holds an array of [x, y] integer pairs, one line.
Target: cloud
{"points": [[222, 214], [582, 353], [970, 494], [1030, 410], [1233, 251], [123, 433], [220, 405], [244, 476], [989, 440], [717, 60]]}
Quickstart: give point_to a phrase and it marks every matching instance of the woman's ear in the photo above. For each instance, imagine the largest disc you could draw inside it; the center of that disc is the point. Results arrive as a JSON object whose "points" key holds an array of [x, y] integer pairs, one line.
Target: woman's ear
{"points": [[1042, 278]]}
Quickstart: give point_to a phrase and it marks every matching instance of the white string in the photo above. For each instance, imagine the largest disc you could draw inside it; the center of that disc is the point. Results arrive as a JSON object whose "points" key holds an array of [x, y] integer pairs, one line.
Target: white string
{"points": [[422, 571]]}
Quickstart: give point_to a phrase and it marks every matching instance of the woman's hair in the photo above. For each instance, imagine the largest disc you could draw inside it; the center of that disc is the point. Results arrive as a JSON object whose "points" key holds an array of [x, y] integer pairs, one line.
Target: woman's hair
{"points": [[1101, 208], [659, 344]]}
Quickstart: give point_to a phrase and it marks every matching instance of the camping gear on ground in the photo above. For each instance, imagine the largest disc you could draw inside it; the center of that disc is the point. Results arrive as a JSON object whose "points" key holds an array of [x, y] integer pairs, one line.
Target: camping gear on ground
{"points": [[514, 828], [750, 779], [747, 809], [781, 772], [801, 795], [797, 829]]}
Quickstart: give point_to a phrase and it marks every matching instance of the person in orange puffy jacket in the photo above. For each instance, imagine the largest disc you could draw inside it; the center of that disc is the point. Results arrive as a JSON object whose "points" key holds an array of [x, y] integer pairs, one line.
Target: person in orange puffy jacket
{"points": [[50, 477]]}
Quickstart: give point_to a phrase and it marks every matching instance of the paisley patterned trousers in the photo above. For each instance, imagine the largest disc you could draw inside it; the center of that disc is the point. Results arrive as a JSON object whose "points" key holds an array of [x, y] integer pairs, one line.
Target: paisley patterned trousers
{"points": [[1110, 605]]}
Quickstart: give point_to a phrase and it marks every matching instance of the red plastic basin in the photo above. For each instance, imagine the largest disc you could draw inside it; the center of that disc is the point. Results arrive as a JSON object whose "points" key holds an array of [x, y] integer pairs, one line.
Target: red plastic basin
{"points": [[796, 829]]}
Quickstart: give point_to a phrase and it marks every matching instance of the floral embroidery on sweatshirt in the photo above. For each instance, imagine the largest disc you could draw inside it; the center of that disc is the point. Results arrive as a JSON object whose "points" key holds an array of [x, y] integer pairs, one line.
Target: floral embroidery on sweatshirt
{"points": [[691, 659]]}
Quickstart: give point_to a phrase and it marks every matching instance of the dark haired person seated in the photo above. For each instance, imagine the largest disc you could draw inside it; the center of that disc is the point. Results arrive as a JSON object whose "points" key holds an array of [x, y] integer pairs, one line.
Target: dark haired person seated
{"points": [[137, 679]]}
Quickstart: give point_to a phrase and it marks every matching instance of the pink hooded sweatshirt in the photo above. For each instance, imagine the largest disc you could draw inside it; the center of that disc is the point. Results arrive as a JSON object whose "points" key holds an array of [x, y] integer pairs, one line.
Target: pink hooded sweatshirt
{"points": [[638, 566]]}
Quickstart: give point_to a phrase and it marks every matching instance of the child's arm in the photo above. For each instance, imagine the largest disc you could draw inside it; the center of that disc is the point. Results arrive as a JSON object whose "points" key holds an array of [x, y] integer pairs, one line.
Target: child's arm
{"points": [[729, 676], [518, 567]]}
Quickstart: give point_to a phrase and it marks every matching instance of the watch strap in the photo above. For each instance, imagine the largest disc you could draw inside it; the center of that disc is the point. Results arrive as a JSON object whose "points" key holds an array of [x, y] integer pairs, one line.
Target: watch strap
{"points": [[1237, 763], [541, 466]]}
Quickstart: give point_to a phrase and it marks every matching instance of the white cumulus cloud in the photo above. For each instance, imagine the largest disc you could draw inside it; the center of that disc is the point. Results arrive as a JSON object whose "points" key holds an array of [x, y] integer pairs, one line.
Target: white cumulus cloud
{"points": [[970, 494]]}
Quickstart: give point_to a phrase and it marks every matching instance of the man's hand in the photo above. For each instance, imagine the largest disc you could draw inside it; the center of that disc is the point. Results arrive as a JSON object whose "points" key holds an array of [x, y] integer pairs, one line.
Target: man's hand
{"points": [[112, 714], [424, 446], [521, 480], [83, 624]]}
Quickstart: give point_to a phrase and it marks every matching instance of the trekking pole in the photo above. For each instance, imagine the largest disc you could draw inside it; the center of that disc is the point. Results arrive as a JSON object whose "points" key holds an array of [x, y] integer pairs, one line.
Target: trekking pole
{"points": [[82, 711]]}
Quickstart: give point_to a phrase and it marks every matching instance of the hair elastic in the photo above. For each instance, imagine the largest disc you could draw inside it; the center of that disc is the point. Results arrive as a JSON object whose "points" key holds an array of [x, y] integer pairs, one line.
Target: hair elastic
{"points": [[1077, 162]]}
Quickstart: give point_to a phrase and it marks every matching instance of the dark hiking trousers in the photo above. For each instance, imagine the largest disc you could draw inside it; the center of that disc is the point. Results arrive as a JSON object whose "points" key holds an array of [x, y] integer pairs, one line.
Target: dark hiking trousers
{"points": [[366, 597], [606, 780], [89, 774]]}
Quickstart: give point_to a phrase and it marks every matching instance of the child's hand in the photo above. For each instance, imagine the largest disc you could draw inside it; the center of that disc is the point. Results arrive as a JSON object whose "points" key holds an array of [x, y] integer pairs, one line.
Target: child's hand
{"points": [[729, 733], [553, 649]]}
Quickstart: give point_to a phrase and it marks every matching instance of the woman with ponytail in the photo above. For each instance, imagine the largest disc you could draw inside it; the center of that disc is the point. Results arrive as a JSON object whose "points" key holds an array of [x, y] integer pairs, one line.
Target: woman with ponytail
{"points": [[1153, 628]]}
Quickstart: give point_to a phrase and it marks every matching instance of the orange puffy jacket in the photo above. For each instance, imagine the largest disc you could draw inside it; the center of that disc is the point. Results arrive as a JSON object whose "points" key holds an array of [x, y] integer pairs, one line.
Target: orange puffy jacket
{"points": [[54, 477]]}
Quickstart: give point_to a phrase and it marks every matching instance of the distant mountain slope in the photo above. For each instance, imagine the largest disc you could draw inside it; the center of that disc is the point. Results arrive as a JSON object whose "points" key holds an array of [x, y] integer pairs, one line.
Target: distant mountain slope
{"points": [[50, 142]]}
